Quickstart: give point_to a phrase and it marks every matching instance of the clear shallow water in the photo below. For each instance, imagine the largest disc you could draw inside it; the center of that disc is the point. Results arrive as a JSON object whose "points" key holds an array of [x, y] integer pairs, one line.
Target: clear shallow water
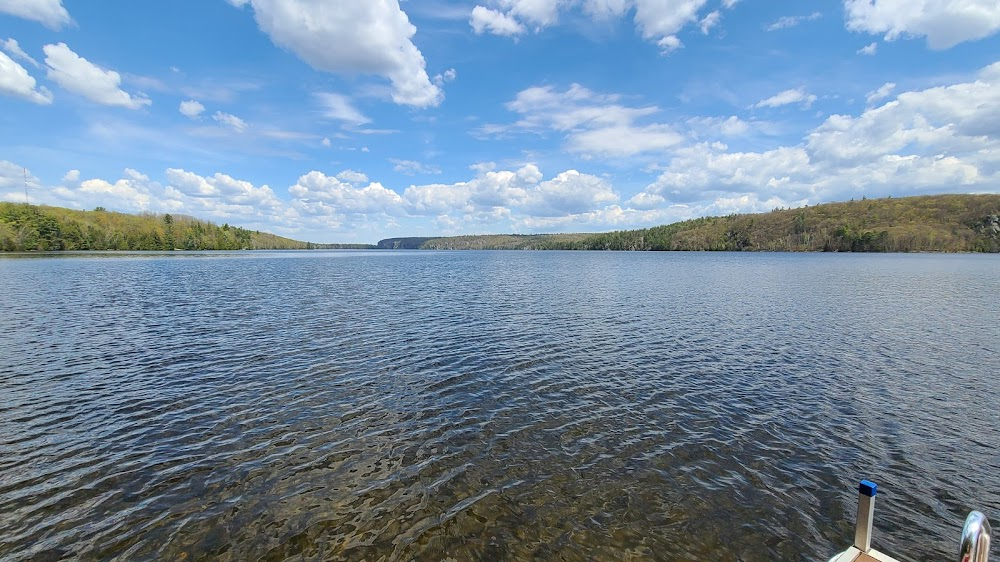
{"points": [[494, 406]]}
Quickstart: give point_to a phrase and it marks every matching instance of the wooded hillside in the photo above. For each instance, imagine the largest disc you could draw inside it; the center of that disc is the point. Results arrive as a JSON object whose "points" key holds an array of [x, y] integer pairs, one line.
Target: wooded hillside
{"points": [[938, 223], [26, 227]]}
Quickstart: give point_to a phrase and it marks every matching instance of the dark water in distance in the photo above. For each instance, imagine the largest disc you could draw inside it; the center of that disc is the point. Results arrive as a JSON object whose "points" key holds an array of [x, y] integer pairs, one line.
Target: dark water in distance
{"points": [[494, 405]]}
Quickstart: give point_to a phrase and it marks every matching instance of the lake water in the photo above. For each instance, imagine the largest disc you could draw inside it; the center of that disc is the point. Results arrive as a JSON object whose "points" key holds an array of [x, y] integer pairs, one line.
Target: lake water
{"points": [[494, 405]]}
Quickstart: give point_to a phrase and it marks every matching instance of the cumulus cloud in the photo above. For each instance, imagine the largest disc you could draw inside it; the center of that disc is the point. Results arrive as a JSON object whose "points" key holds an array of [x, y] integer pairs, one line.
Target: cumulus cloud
{"points": [[791, 21], [231, 121], [15, 81], [317, 193], [351, 176], [942, 139], [486, 20], [945, 23], [518, 196], [223, 188], [340, 108], [445, 77], [869, 49], [594, 124], [130, 193], [49, 13], [191, 108], [658, 21], [569, 193], [661, 20], [352, 36], [72, 176], [788, 97], [14, 49], [80, 76]]}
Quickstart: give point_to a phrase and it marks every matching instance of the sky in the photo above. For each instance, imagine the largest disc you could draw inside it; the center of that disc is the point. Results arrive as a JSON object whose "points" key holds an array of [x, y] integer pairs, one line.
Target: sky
{"points": [[356, 120]]}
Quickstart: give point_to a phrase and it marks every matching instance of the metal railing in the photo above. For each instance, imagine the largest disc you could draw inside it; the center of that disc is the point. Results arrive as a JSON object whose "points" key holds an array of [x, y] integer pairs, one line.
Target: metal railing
{"points": [[975, 545]]}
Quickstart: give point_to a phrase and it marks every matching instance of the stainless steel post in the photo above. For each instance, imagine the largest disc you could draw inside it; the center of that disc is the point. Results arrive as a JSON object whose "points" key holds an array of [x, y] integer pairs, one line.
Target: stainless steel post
{"points": [[866, 515], [975, 545]]}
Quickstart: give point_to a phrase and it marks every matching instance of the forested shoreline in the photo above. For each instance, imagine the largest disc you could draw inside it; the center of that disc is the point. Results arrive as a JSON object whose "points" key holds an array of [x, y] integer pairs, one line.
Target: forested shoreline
{"points": [[934, 223], [26, 227]]}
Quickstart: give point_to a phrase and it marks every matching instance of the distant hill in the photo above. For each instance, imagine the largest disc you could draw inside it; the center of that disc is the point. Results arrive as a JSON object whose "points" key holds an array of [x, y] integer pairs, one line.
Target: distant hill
{"points": [[487, 242], [26, 227], [936, 223]]}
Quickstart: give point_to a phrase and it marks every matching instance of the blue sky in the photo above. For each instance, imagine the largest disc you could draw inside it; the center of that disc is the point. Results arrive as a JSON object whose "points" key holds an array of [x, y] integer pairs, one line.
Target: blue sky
{"points": [[355, 120]]}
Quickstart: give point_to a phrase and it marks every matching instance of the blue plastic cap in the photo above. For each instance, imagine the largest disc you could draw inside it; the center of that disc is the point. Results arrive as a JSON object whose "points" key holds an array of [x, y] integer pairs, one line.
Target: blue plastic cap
{"points": [[868, 488]]}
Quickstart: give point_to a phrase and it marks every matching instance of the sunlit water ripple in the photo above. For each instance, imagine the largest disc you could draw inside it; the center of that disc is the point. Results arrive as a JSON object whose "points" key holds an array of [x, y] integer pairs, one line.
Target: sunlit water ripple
{"points": [[493, 406]]}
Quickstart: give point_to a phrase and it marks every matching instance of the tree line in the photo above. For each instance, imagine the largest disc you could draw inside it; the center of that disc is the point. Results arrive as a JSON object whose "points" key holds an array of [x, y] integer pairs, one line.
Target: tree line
{"points": [[26, 227], [938, 223]]}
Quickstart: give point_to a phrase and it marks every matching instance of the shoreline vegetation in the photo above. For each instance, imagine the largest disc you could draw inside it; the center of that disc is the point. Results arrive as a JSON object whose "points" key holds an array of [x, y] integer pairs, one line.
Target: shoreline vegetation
{"points": [[930, 223], [25, 227], [933, 223]]}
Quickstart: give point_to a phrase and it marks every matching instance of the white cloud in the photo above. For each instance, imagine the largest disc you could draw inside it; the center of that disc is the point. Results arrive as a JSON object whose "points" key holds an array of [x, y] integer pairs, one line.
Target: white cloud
{"points": [[881, 93], [131, 193], [191, 108], [570, 192], [445, 77], [658, 21], [78, 75], [606, 9], [412, 167], [710, 21], [731, 126], [352, 36], [12, 180], [594, 124], [350, 176], [340, 108], [942, 139], [318, 193], [49, 13], [729, 3], [869, 49], [517, 196], [72, 176], [484, 19], [231, 121], [788, 97], [792, 21], [325, 142], [536, 12], [945, 23], [223, 188], [15, 81], [14, 50]]}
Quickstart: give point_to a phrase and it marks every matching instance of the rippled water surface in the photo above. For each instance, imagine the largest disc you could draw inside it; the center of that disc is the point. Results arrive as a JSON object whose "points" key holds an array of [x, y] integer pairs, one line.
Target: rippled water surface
{"points": [[494, 406]]}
